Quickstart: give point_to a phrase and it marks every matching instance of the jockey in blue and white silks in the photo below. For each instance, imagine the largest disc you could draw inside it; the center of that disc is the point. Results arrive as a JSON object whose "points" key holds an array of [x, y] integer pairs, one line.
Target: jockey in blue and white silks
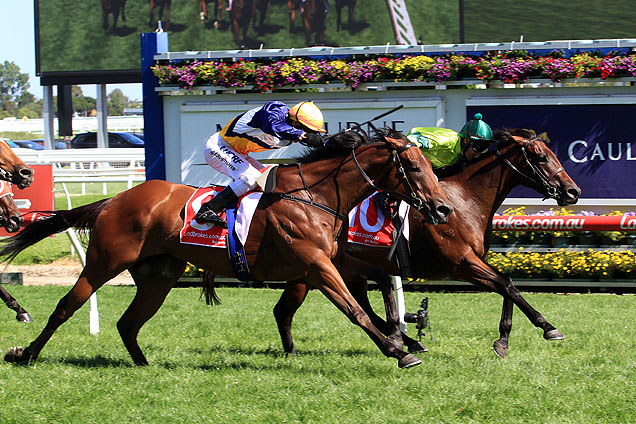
{"points": [[271, 126]]}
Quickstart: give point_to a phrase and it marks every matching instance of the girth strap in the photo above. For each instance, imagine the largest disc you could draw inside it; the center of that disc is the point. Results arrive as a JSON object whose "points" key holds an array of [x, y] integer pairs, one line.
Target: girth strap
{"points": [[322, 207]]}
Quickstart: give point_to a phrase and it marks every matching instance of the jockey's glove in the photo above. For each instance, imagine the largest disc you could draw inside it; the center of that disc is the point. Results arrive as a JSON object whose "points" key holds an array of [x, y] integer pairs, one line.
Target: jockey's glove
{"points": [[312, 140]]}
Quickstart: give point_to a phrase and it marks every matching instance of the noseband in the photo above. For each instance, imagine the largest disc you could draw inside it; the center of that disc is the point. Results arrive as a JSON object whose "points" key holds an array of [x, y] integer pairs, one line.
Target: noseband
{"points": [[544, 180]]}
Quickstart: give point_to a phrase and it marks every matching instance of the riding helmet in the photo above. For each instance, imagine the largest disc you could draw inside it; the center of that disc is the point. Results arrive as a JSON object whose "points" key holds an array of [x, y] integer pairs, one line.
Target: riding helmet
{"points": [[307, 114], [477, 130]]}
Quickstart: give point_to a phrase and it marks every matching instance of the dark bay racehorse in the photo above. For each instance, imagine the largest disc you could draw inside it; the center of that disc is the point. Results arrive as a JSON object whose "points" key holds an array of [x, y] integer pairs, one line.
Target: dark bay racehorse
{"points": [[340, 4], [458, 249], [113, 7], [314, 14], [240, 17], [295, 233], [12, 170], [164, 6]]}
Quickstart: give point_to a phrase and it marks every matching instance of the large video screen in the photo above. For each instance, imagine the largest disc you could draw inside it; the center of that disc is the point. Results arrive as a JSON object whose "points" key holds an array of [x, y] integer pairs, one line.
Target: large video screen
{"points": [[94, 36], [543, 20]]}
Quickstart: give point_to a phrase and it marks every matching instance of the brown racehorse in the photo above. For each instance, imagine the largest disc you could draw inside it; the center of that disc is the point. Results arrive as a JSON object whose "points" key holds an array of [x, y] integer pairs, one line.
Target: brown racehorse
{"points": [[164, 6], [457, 249], [295, 233], [241, 16], [12, 170], [314, 14], [113, 7], [218, 11], [340, 4]]}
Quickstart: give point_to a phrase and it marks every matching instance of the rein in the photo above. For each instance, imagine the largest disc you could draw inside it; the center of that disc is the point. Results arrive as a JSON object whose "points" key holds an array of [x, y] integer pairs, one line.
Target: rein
{"points": [[544, 179], [395, 157]]}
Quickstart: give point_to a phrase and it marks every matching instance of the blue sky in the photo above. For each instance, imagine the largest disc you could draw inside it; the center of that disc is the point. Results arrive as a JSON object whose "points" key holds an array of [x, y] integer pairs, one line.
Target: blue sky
{"points": [[17, 44]]}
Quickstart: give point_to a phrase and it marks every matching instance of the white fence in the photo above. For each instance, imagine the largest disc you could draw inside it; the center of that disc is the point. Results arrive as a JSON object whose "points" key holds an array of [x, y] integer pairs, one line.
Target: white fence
{"points": [[115, 123], [91, 165]]}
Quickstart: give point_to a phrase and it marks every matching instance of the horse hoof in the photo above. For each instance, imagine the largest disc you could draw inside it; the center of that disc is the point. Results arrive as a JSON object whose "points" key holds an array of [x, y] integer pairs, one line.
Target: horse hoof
{"points": [[500, 348], [24, 317], [553, 335], [408, 361], [417, 347], [14, 354]]}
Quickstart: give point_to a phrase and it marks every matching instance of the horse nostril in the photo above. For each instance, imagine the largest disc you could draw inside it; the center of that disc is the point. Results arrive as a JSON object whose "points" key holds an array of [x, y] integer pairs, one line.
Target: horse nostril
{"points": [[573, 193], [444, 210], [26, 172]]}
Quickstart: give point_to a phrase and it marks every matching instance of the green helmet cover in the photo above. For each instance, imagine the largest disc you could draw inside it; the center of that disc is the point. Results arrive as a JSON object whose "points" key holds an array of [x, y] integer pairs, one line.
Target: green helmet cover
{"points": [[476, 129]]}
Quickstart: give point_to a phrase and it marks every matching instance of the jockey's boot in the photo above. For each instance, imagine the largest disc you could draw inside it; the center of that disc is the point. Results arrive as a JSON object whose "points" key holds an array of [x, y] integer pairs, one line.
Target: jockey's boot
{"points": [[208, 213]]}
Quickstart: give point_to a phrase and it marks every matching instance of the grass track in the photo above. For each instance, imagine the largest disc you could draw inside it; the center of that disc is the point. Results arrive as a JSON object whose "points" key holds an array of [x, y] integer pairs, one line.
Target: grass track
{"points": [[224, 364]]}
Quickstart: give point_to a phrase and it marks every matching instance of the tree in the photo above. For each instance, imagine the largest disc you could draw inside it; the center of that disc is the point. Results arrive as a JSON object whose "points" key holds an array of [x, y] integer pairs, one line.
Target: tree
{"points": [[82, 105], [14, 86], [117, 102]]}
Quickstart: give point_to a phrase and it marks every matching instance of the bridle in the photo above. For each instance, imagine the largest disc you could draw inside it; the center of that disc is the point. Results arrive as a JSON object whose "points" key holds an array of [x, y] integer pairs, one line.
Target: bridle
{"points": [[411, 199], [539, 177]]}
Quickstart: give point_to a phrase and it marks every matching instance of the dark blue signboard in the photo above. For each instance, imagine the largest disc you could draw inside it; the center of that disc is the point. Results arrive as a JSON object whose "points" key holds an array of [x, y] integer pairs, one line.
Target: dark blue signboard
{"points": [[595, 143]]}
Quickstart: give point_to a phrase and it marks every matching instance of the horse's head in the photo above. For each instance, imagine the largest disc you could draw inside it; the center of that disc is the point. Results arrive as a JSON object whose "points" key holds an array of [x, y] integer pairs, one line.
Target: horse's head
{"points": [[414, 173], [12, 169], [538, 165], [10, 216]]}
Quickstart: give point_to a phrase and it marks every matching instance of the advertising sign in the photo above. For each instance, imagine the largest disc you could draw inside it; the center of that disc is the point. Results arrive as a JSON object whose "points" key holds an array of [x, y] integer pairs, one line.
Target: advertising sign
{"points": [[37, 197], [96, 38], [594, 142]]}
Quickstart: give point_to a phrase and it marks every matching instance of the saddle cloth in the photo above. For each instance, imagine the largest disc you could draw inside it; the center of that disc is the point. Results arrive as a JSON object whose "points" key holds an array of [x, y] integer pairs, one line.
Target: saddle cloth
{"points": [[370, 227], [212, 235]]}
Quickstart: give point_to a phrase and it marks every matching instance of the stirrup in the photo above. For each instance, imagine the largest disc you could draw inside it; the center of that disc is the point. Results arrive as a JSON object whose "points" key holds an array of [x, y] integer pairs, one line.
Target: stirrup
{"points": [[210, 217]]}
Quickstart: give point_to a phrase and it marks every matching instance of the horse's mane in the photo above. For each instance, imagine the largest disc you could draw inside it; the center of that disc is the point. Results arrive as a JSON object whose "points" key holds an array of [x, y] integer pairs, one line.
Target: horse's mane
{"points": [[503, 137], [340, 145]]}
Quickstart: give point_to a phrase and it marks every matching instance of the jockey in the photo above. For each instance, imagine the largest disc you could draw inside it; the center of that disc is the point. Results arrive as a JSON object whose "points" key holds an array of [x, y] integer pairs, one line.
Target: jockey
{"points": [[444, 147], [270, 126]]}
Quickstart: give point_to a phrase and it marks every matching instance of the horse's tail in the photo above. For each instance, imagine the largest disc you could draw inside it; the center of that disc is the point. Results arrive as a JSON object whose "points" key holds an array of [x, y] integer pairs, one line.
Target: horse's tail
{"points": [[82, 218], [207, 289]]}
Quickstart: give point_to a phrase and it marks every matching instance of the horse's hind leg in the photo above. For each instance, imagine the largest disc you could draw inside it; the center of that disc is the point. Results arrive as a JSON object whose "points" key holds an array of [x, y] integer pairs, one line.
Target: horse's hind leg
{"points": [[154, 276], [21, 314], [293, 296]]}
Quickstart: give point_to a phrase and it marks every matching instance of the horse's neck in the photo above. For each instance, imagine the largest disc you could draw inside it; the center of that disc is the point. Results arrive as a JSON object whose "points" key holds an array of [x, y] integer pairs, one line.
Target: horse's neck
{"points": [[338, 183], [490, 178]]}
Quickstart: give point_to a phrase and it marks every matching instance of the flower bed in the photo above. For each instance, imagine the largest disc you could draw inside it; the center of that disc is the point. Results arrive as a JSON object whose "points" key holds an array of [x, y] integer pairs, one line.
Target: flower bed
{"points": [[508, 66], [566, 264]]}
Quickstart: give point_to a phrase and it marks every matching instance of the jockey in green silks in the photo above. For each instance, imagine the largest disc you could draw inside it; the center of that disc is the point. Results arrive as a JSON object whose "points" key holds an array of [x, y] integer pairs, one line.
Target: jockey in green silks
{"points": [[444, 147]]}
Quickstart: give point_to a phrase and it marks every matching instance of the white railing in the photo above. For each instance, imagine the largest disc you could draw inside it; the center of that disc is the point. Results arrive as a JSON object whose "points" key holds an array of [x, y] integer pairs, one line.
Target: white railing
{"points": [[91, 165]]}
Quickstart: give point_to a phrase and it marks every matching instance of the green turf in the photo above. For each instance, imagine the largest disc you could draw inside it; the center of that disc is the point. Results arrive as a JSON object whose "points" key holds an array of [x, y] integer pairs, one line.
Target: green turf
{"points": [[224, 364]]}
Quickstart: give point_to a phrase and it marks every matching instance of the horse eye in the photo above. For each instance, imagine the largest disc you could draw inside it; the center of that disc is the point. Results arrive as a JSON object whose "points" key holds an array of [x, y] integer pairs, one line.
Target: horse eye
{"points": [[542, 158], [416, 169]]}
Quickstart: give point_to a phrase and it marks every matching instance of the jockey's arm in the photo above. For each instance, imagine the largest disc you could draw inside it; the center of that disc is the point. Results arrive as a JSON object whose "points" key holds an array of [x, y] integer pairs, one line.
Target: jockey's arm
{"points": [[272, 119]]}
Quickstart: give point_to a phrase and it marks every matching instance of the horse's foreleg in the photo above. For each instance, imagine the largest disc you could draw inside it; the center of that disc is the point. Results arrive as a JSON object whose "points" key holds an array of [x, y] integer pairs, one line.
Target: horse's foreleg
{"points": [[292, 15], [123, 10], [293, 296], [104, 20], [481, 274], [21, 314], [204, 11], [326, 278], [154, 277], [505, 326], [352, 269]]}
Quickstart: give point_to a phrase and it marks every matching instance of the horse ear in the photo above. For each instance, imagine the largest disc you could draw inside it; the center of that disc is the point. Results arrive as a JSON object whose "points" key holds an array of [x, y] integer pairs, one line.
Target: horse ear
{"points": [[544, 137]]}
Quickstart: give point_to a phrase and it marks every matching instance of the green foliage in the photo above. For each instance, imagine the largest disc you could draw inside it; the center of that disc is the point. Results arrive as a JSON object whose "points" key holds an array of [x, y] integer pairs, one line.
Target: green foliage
{"points": [[225, 364], [14, 94]]}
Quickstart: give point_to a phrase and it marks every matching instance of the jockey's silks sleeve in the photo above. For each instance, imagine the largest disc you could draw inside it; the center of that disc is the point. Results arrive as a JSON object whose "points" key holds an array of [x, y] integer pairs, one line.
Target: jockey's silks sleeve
{"points": [[440, 145], [261, 128]]}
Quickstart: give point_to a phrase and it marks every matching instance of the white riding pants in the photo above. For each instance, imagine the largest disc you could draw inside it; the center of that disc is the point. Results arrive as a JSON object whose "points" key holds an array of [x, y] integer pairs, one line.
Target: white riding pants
{"points": [[243, 169]]}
